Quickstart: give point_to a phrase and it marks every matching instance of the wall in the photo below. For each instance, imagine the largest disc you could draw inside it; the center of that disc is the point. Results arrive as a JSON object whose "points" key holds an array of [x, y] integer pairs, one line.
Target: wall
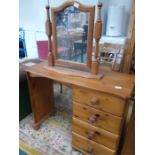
{"points": [[32, 16]]}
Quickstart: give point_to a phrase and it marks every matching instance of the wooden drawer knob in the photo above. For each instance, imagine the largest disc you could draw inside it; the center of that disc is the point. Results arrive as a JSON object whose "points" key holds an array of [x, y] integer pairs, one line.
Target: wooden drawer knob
{"points": [[93, 118], [91, 135], [94, 100]]}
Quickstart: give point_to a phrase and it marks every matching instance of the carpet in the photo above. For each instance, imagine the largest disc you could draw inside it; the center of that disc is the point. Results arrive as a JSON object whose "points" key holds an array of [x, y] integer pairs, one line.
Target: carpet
{"points": [[54, 136]]}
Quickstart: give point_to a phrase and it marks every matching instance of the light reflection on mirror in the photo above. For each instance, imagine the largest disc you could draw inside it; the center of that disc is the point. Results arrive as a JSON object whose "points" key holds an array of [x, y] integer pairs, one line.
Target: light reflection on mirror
{"points": [[72, 32]]}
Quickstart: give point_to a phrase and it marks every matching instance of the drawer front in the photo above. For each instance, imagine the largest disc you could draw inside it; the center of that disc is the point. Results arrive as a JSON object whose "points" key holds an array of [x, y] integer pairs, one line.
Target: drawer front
{"points": [[97, 118], [95, 134], [89, 146], [101, 101]]}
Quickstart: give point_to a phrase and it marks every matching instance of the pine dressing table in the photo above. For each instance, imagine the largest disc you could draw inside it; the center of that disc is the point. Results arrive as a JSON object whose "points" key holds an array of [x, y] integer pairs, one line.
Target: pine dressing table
{"points": [[99, 106], [100, 102]]}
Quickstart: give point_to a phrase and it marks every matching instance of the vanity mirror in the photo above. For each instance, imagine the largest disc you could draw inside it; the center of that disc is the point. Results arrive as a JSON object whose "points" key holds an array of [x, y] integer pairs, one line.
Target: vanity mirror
{"points": [[70, 37]]}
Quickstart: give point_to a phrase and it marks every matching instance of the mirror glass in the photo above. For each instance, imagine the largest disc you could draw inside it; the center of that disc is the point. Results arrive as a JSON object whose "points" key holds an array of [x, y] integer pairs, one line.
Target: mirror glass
{"points": [[72, 32]]}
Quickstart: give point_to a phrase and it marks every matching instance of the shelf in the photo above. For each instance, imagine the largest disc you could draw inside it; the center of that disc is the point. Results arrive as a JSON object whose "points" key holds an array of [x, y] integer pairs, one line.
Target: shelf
{"points": [[22, 48]]}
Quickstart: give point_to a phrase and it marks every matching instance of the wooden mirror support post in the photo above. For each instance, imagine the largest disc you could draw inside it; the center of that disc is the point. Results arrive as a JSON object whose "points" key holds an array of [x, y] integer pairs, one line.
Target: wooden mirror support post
{"points": [[98, 33], [49, 34]]}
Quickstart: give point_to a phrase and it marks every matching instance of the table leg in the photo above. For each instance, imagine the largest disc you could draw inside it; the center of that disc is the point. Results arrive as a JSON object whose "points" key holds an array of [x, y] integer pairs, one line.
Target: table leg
{"points": [[42, 98]]}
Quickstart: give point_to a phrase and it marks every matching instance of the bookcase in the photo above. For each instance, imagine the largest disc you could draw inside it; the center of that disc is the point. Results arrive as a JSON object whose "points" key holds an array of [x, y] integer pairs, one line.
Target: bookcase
{"points": [[22, 45]]}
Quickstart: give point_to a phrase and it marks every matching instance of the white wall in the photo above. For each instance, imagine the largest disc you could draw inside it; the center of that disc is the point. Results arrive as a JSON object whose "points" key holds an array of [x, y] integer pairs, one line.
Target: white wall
{"points": [[26, 14], [32, 16], [27, 22]]}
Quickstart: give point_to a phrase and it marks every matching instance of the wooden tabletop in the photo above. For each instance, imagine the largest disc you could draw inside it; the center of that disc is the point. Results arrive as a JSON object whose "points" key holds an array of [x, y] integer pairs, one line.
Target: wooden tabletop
{"points": [[119, 84]]}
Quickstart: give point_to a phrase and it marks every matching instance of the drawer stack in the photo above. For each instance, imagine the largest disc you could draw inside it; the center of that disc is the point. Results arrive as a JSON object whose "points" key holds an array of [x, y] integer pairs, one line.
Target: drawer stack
{"points": [[97, 122]]}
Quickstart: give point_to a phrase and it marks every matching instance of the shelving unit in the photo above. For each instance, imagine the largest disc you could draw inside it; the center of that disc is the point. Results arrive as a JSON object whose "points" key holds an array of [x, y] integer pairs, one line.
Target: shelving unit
{"points": [[22, 45]]}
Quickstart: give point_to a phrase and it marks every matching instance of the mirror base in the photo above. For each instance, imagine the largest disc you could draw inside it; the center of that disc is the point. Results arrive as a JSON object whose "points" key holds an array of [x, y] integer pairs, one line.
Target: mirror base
{"points": [[74, 73]]}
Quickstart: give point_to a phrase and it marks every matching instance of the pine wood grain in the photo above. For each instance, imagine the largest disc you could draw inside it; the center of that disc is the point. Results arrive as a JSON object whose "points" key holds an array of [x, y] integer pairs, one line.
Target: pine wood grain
{"points": [[104, 121], [42, 99], [129, 51], [105, 102], [95, 134], [105, 85], [90, 147]]}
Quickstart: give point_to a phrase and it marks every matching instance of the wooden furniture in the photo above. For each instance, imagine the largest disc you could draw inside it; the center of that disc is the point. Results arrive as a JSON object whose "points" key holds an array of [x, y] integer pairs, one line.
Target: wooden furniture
{"points": [[130, 50], [91, 67], [129, 141], [112, 54], [99, 106], [24, 99]]}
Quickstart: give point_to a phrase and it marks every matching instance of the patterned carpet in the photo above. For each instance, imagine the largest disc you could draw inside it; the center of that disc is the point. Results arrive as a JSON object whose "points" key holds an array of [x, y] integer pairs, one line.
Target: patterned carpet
{"points": [[54, 135]]}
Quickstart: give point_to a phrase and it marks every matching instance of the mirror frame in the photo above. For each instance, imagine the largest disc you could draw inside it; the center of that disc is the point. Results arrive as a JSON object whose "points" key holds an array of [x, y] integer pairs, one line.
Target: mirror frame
{"points": [[67, 63]]}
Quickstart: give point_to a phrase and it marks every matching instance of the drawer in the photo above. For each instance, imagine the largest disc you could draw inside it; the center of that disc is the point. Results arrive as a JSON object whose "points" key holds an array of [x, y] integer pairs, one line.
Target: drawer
{"points": [[90, 147], [97, 118], [95, 134], [101, 101]]}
